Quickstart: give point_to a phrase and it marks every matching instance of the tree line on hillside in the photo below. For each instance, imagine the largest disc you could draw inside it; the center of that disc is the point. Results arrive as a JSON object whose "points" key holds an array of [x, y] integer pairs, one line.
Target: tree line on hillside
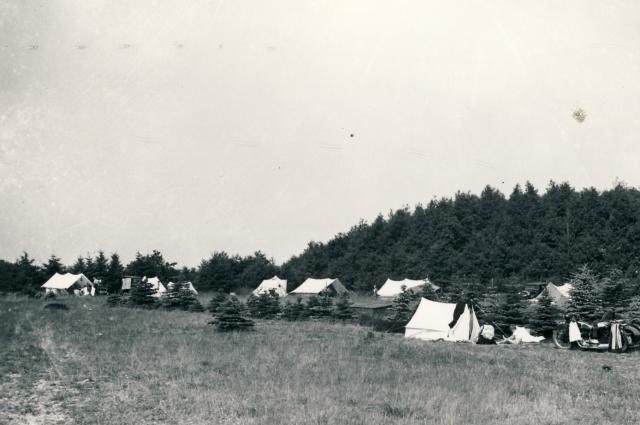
{"points": [[488, 241]]}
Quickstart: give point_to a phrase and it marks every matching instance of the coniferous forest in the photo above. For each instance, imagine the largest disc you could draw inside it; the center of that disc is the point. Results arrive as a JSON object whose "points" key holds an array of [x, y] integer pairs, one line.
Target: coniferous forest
{"points": [[529, 235]]}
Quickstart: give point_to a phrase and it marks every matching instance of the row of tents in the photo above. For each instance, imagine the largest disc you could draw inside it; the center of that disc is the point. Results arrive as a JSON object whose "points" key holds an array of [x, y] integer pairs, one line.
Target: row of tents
{"points": [[79, 284], [311, 286]]}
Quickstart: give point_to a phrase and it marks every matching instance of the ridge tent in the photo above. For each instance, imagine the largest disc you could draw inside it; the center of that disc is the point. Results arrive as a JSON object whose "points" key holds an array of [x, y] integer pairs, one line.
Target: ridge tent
{"points": [[187, 285], [560, 295], [432, 321], [157, 285], [275, 283], [393, 288], [316, 286], [78, 284]]}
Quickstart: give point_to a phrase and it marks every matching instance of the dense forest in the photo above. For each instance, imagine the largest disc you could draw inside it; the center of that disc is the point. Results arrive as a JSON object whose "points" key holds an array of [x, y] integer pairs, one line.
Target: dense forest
{"points": [[490, 238]]}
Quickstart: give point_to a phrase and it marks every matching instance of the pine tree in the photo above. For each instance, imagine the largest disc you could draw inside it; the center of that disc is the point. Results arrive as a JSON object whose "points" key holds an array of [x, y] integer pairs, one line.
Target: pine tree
{"points": [[115, 270], [143, 294], [265, 306], [631, 310], [612, 290], [429, 292], [294, 311], [400, 312], [343, 309], [511, 311], [322, 306], [171, 299], [216, 302], [544, 315], [52, 266], [585, 302], [230, 317]]}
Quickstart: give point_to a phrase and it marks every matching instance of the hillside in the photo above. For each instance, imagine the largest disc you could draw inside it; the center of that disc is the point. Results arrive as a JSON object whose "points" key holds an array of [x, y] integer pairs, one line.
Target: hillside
{"points": [[526, 236]]}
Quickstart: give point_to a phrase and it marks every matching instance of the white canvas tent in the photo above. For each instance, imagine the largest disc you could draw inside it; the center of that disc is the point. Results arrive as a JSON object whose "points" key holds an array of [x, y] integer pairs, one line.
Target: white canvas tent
{"points": [[275, 283], [316, 286], [560, 295], [78, 284], [187, 285], [393, 288], [431, 322], [157, 285]]}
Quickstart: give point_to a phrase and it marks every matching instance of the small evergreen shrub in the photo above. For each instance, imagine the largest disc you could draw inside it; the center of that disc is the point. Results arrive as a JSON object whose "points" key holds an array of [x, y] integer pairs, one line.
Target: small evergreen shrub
{"points": [[294, 310], [264, 306], [143, 295], [343, 308], [217, 300], [114, 300], [229, 317]]}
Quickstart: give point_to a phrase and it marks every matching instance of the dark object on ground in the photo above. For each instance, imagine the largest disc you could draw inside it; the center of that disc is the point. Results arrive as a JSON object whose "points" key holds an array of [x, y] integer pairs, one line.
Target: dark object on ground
{"points": [[606, 368], [56, 306], [485, 341]]}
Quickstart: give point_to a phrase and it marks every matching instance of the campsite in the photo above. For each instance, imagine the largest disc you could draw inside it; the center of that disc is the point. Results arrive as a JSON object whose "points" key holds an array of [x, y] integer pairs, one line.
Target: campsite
{"points": [[302, 212], [135, 366]]}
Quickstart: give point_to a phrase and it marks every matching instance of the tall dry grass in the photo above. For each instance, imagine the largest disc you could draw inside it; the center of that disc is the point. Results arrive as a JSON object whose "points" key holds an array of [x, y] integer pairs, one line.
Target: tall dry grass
{"points": [[126, 366]]}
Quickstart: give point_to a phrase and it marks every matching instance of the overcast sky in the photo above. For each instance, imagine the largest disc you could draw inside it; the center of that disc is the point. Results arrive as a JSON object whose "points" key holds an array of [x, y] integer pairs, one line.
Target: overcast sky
{"points": [[199, 126]]}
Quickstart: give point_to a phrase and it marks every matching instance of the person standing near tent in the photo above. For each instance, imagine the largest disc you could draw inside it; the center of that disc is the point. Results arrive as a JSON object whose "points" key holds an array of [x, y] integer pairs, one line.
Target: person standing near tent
{"points": [[375, 290]]}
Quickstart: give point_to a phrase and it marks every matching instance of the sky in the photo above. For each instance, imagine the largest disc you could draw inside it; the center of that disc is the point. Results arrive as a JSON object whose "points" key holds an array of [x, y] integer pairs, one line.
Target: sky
{"points": [[202, 126]]}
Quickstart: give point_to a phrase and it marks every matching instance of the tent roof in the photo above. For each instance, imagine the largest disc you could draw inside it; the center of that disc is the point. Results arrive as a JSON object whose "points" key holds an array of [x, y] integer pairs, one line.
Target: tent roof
{"points": [[565, 289], [431, 322], [315, 286], [432, 315], [188, 285], [391, 288], [64, 281], [157, 285], [279, 285]]}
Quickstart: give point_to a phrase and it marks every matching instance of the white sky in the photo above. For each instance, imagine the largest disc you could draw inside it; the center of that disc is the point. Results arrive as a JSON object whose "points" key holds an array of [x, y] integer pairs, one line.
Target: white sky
{"points": [[225, 125]]}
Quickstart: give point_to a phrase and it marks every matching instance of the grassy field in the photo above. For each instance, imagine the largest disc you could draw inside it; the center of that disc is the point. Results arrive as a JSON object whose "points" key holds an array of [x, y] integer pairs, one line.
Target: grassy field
{"points": [[98, 365]]}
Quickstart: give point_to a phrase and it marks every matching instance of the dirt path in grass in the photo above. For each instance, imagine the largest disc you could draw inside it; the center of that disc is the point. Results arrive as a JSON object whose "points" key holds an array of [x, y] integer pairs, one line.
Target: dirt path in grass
{"points": [[31, 391]]}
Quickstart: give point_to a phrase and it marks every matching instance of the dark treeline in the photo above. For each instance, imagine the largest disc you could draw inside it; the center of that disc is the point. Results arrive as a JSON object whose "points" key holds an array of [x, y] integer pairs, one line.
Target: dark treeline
{"points": [[524, 237]]}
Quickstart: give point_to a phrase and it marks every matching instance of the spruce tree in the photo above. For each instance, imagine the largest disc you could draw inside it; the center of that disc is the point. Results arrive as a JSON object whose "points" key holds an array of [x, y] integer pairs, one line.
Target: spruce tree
{"points": [[631, 310], [294, 311], [511, 311], [322, 306], [584, 302], [171, 299], [229, 317], [429, 292], [265, 306], [400, 312], [217, 300], [612, 290], [343, 309], [544, 315], [143, 294]]}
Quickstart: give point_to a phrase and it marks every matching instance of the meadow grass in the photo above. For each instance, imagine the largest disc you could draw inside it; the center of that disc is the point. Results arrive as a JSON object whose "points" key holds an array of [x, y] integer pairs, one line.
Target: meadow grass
{"points": [[98, 365]]}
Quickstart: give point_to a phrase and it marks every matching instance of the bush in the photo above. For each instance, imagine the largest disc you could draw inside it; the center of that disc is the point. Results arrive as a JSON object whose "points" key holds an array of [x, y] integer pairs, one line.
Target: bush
{"points": [[229, 317], [49, 296], [114, 300]]}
